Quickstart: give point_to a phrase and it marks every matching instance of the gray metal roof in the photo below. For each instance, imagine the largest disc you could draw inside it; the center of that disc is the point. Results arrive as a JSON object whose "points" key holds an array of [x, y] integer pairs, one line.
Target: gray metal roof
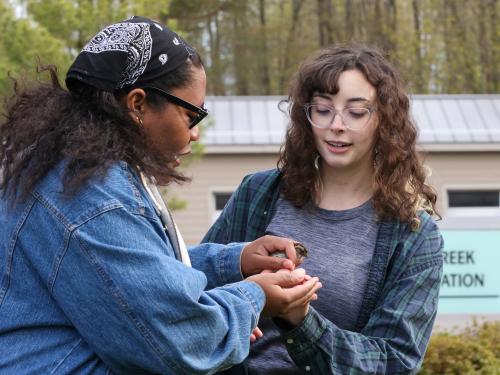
{"points": [[441, 119]]}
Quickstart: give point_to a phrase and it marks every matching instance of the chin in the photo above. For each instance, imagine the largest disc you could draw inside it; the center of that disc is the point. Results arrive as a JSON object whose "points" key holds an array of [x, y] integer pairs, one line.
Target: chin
{"points": [[336, 164]]}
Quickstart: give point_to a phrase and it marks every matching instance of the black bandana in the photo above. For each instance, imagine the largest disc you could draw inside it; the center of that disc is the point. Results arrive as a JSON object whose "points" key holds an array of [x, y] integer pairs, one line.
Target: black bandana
{"points": [[135, 51]]}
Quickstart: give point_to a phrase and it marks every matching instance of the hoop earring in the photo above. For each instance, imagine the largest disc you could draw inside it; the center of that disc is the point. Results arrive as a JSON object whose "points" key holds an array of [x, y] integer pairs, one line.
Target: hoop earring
{"points": [[375, 157], [318, 183], [316, 163]]}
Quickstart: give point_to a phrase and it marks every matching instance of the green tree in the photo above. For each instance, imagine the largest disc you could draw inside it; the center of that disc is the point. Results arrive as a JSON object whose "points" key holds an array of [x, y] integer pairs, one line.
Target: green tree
{"points": [[56, 30], [21, 43]]}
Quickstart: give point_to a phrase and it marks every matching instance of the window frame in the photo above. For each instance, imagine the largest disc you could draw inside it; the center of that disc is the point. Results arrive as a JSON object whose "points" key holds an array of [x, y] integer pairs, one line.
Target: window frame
{"points": [[470, 212], [213, 212]]}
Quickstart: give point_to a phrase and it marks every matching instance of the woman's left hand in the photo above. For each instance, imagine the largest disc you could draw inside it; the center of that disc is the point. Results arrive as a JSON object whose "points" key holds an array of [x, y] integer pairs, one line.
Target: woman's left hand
{"points": [[256, 256]]}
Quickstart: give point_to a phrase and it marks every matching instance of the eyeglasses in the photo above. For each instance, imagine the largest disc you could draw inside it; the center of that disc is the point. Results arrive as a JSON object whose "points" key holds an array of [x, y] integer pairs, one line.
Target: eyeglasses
{"points": [[201, 113], [322, 116]]}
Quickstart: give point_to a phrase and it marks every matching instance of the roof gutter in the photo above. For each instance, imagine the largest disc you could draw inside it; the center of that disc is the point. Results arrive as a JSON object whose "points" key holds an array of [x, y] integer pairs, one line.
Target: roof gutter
{"points": [[423, 147]]}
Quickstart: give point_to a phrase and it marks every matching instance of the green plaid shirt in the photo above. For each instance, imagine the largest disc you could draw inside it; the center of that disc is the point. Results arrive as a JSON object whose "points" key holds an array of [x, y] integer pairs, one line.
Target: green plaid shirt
{"points": [[399, 304]]}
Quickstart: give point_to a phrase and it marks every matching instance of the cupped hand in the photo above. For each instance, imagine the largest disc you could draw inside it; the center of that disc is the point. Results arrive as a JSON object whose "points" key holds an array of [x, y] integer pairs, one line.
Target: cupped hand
{"points": [[286, 290], [256, 256], [297, 314]]}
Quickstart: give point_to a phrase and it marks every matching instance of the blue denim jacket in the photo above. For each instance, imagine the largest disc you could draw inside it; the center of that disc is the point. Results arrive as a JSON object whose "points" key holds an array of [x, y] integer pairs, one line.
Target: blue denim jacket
{"points": [[89, 285]]}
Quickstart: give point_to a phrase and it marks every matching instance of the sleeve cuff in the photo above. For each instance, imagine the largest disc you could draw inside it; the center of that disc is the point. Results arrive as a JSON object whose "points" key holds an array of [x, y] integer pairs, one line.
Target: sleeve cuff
{"points": [[228, 263], [254, 293], [306, 334]]}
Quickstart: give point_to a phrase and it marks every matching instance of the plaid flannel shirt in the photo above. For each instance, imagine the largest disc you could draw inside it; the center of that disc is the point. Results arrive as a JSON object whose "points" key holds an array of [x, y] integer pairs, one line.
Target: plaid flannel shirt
{"points": [[399, 305]]}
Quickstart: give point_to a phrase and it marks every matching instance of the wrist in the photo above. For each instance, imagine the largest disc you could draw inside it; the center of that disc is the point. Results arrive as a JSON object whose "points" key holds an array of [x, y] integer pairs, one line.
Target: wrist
{"points": [[293, 320], [283, 324], [243, 268]]}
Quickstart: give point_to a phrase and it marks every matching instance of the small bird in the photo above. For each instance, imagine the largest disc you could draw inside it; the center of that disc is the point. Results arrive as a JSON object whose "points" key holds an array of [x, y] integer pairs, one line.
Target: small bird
{"points": [[300, 250]]}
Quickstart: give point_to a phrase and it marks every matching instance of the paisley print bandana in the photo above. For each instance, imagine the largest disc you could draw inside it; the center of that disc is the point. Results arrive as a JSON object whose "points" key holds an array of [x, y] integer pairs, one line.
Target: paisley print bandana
{"points": [[132, 52]]}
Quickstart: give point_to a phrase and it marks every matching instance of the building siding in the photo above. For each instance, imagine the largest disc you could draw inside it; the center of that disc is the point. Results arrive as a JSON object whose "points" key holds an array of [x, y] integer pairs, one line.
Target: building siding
{"points": [[223, 172], [215, 172]]}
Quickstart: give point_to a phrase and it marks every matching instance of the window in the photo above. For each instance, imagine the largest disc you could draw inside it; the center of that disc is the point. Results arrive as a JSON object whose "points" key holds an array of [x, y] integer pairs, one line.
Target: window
{"points": [[473, 198], [220, 200], [473, 202]]}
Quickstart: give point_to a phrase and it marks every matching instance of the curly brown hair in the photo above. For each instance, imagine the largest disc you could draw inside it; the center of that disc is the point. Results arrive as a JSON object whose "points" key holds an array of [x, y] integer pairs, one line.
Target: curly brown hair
{"points": [[400, 189], [88, 128]]}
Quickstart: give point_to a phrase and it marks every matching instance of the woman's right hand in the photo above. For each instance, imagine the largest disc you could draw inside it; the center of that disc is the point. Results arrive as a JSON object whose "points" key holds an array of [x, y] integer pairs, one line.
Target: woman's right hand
{"points": [[296, 315], [286, 291]]}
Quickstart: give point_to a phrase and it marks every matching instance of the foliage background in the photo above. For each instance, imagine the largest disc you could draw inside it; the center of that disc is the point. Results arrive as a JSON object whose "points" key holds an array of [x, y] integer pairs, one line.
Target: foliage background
{"points": [[475, 350], [252, 47]]}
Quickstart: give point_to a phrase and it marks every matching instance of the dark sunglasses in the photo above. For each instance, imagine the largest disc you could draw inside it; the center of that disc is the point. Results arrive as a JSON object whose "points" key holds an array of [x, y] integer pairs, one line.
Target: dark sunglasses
{"points": [[201, 113]]}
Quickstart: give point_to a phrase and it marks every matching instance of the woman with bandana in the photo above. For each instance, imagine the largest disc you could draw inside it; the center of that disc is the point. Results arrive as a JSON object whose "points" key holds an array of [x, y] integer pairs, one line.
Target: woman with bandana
{"points": [[94, 275], [351, 188]]}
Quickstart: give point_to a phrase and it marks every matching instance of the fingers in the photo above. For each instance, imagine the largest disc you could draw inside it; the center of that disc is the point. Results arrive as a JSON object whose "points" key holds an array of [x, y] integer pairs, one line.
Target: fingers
{"points": [[285, 290], [256, 255], [256, 334], [288, 264], [302, 294], [286, 278], [286, 271], [282, 244], [306, 276], [273, 263], [290, 252]]}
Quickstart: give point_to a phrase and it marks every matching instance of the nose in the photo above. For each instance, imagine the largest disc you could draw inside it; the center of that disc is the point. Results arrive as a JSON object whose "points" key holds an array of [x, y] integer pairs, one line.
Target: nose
{"points": [[195, 133], [337, 122]]}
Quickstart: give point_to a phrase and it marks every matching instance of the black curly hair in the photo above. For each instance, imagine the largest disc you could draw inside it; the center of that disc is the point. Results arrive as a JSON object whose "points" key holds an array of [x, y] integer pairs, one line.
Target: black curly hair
{"points": [[90, 129]]}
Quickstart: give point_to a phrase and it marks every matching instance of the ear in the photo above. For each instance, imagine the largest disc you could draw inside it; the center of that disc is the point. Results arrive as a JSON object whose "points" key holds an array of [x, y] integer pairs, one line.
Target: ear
{"points": [[136, 101]]}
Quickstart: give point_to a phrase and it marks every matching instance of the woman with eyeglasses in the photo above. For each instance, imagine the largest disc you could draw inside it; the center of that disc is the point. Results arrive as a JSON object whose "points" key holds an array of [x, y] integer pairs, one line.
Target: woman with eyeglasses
{"points": [[94, 276], [351, 188]]}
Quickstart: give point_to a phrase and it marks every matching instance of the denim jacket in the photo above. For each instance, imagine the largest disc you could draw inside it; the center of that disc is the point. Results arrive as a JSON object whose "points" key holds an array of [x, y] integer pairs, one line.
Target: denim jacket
{"points": [[89, 285]]}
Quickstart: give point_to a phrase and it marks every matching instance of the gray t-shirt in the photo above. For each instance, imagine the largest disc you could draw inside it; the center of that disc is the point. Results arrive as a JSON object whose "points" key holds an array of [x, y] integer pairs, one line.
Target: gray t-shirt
{"points": [[340, 246]]}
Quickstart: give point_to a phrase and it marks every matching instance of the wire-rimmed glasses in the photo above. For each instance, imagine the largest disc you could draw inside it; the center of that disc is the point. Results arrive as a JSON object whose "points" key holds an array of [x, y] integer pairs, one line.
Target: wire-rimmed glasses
{"points": [[322, 116]]}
